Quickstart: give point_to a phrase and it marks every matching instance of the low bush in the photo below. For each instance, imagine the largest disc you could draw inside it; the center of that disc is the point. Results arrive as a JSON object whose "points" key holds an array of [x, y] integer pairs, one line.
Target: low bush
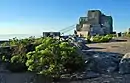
{"points": [[54, 58], [99, 39], [46, 56]]}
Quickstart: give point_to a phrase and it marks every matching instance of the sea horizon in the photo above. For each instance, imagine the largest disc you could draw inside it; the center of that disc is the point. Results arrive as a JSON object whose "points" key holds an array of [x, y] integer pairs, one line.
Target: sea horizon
{"points": [[6, 37]]}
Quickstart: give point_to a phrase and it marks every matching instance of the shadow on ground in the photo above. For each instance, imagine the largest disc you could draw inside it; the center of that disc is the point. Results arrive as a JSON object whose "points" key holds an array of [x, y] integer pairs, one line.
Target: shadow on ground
{"points": [[95, 48], [90, 53]]}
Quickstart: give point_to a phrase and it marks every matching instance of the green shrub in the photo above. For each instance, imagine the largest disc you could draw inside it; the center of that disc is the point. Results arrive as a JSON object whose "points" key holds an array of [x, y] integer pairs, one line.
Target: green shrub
{"points": [[54, 58], [17, 64], [46, 56], [99, 39]]}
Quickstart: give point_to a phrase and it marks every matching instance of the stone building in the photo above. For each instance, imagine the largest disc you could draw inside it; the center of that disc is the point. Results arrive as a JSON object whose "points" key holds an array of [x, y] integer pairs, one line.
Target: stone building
{"points": [[95, 23]]}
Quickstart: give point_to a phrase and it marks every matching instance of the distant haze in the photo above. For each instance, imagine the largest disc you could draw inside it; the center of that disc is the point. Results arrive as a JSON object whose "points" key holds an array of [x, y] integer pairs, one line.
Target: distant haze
{"points": [[19, 36]]}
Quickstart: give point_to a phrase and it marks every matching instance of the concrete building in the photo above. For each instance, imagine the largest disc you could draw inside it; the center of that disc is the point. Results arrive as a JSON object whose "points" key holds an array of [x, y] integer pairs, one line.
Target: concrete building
{"points": [[51, 34], [95, 23]]}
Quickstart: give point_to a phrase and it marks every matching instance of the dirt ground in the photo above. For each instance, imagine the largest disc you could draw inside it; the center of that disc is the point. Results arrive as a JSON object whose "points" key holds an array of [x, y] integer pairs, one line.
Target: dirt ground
{"points": [[120, 47], [113, 78], [116, 47]]}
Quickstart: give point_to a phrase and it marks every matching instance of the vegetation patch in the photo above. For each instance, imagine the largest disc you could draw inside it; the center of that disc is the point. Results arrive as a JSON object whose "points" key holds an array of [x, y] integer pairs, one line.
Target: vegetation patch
{"points": [[99, 39], [47, 56]]}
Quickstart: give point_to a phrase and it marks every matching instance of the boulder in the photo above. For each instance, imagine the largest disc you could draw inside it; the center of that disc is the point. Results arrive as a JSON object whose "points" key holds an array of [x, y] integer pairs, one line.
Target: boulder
{"points": [[80, 45], [3, 68], [81, 76], [124, 65], [5, 50], [103, 62], [88, 75], [79, 42]]}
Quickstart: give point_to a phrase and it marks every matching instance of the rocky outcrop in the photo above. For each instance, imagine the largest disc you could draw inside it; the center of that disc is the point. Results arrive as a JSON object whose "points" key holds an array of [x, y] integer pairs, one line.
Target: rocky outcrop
{"points": [[104, 62], [124, 65], [5, 50], [80, 43], [80, 76]]}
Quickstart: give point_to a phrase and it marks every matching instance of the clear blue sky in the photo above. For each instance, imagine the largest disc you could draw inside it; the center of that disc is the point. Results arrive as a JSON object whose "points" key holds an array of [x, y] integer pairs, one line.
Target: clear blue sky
{"points": [[35, 16]]}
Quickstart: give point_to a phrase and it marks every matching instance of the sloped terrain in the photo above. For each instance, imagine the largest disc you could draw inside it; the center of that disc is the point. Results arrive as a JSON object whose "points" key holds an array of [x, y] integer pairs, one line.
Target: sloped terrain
{"points": [[116, 47]]}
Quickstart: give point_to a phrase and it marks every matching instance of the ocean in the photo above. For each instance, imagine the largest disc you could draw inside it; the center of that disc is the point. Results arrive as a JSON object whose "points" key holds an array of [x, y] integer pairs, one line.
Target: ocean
{"points": [[4, 37]]}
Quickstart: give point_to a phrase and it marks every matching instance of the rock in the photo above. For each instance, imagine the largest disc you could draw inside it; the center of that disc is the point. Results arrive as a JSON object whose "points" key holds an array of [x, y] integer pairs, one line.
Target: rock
{"points": [[79, 42], [86, 75], [65, 76], [81, 45], [3, 68], [104, 62], [124, 65], [5, 50], [89, 75]]}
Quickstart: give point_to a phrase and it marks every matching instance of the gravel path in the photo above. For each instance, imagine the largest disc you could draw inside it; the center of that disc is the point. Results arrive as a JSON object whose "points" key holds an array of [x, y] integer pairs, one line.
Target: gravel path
{"points": [[116, 47]]}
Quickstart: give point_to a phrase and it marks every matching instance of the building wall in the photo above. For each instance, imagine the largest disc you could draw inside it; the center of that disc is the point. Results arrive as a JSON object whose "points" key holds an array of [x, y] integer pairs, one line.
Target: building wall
{"points": [[95, 23], [111, 23], [78, 27], [106, 22], [54, 34], [86, 27], [96, 29], [94, 16], [83, 20], [82, 33]]}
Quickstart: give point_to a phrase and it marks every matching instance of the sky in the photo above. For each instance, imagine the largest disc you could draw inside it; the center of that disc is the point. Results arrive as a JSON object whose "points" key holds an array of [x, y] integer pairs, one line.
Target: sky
{"points": [[37, 16]]}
